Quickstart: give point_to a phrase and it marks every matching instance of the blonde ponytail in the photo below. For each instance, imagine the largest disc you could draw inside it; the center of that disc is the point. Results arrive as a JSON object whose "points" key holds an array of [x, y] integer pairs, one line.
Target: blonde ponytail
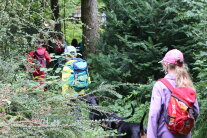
{"points": [[182, 76]]}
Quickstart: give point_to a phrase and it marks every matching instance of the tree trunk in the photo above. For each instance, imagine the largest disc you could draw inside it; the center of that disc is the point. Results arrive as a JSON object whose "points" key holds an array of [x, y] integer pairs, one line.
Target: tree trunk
{"points": [[89, 17], [55, 14]]}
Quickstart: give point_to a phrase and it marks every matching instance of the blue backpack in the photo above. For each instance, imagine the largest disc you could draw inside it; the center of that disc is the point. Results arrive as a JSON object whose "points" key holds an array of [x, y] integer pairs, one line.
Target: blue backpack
{"points": [[78, 79]]}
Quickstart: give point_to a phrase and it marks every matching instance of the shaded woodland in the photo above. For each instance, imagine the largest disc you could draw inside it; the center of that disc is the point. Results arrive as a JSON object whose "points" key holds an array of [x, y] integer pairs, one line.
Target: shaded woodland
{"points": [[123, 40]]}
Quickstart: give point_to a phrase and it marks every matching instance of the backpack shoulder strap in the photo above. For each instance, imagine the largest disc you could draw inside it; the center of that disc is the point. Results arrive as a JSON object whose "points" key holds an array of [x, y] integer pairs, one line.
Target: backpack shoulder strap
{"points": [[167, 84]]}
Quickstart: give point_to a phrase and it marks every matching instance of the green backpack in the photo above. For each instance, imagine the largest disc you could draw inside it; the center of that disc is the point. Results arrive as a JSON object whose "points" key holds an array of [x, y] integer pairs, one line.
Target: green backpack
{"points": [[79, 78]]}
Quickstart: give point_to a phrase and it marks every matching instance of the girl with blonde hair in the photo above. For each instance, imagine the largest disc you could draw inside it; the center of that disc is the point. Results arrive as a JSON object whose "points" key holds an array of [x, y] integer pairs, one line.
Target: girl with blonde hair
{"points": [[177, 75]]}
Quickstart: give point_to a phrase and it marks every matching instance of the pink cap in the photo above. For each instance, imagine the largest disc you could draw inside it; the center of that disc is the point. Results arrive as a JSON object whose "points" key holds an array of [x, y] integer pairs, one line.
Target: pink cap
{"points": [[174, 56]]}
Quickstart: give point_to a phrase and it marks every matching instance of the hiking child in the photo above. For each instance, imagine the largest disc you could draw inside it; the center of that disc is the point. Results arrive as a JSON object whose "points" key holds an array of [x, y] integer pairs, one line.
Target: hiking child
{"points": [[39, 59], [75, 75], [167, 122]]}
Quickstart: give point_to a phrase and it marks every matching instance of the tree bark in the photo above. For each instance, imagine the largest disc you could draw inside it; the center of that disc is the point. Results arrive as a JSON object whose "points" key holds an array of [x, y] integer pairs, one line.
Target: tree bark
{"points": [[55, 14], [89, 17]]}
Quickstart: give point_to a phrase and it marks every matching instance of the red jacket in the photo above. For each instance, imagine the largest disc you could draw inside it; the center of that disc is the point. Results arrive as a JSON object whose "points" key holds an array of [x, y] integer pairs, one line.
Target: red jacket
{"points": [[31, 57]]}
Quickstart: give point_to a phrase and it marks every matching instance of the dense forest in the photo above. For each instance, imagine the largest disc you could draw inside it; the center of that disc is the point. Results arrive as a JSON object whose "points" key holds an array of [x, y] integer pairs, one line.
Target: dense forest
{"points": [[123, 42]]}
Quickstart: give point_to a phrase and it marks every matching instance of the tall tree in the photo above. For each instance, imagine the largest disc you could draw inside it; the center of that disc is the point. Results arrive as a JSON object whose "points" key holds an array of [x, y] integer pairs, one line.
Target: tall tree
{"points": [[89, 17], [55, 14]]}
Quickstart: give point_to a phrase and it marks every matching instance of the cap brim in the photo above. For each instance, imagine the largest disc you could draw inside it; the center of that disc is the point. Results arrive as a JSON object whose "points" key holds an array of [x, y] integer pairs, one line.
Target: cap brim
{"points": [[160, 61]]}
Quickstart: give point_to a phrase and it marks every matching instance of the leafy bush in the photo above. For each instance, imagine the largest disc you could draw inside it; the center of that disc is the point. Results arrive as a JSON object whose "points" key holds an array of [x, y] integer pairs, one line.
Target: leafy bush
{"points": [[28, 112]]}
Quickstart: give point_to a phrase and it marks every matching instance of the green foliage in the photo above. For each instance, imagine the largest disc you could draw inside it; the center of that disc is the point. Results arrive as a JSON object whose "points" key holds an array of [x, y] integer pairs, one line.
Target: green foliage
{"points": [[73, 31], [136, 39], [25, 111], [29, 112], [200, 66], [139, 98], [199, 32]]}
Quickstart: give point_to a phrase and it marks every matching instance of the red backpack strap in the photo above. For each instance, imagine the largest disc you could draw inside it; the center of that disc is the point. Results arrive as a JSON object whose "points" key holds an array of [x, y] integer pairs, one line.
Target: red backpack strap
{"points": [[167, 84]]}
